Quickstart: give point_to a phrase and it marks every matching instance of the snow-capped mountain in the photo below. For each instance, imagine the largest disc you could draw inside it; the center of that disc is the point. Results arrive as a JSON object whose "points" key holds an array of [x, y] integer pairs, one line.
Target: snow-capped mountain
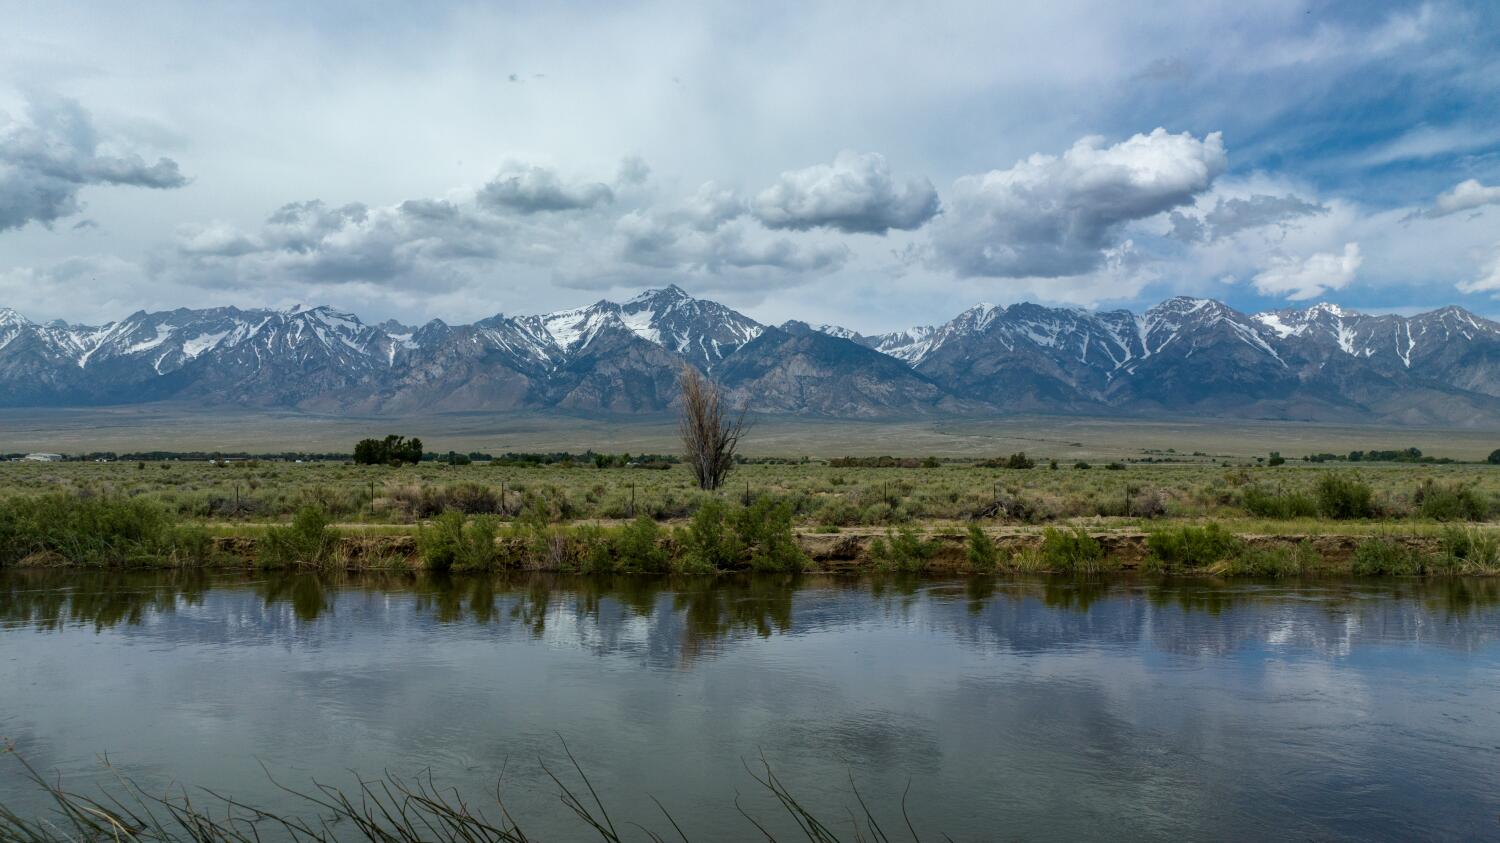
{"points": [[1183, 356]]}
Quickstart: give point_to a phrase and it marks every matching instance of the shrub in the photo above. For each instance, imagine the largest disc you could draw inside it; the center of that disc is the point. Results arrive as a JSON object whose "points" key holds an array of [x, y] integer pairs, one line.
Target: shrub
{"points": [[1281, 503], [639, 546], [1115, 466], [1383, 557], [1450, 503], [981, 550], [902, 550], [1071, 551], [1192, 547], [307, 540], [1011, 508], [471, 499], [454, 541], [1471, 551], [707, 542], [1269, 562], [95, 531], [1147, 503], [764, 528], [1343, 498], [1082, 466]]}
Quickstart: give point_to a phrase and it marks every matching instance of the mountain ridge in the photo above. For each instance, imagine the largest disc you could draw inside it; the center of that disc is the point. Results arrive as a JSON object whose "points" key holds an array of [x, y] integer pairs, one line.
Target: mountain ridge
{"points": [[1185, 356]]}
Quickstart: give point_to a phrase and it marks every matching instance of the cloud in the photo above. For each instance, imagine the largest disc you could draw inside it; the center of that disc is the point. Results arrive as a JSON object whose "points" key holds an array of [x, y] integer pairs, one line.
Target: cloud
{"points": [[856, 195], [713, 205], [415, 243], [633, 170], [1488, 281], [53, 153], [1051, 216], [530, 189], [648, 240], [1311, 276], [1230, 216], [1427, 142], [1465, 196]]}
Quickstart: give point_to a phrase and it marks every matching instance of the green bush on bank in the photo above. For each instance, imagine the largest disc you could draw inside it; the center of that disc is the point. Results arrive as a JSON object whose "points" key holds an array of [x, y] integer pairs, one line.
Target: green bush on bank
{"points": [[758, 536], [1385, 557], [982, 553], [103, 530], [453, 542], [1071, 551], [1270, 562], [1467, 550], [902, 549], [308, 540], [1191, 547]]}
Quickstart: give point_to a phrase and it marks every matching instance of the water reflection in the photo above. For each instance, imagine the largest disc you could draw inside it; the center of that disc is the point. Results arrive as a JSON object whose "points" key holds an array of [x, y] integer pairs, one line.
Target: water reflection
{"points": [[1017, 708], [699, 612]]}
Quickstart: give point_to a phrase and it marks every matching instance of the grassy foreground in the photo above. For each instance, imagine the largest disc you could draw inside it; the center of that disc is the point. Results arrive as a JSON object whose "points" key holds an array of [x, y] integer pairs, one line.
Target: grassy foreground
{"points": [[385, 809], [70, 530], [1194, 515]]}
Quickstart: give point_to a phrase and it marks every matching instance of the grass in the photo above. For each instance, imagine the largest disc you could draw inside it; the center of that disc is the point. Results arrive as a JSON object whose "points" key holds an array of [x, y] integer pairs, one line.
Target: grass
{"points": [[308, 540], [570, 518], [1191, 546], [455, 541], [96, 531], [268, 492], [1071, 551], [1269, 562], [901, 549], [982, 552], [380, 810]]}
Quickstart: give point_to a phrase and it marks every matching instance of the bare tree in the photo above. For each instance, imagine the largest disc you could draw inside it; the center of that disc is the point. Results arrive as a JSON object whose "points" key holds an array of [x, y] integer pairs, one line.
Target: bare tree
{"points": [[709, 434]]}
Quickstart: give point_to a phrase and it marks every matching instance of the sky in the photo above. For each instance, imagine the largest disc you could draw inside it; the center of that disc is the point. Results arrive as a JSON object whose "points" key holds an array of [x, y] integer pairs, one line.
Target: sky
{"points": [[871, 165]]}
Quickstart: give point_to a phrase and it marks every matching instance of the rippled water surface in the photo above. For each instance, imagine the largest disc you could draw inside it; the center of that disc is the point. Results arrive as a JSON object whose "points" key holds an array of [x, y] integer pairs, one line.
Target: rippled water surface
{"points": [[1033, 709]]}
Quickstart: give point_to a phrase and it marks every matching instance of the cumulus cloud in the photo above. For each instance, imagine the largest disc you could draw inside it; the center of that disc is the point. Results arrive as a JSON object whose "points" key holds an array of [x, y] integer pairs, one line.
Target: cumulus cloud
{"points": [[856, 194], [443, 244], [1465, 196], [1488, 280], [648, 240], [712, 206], [1052, 216], [1309, 277], [54, 152], [414, 242], [531, 189], [1229, 217]]}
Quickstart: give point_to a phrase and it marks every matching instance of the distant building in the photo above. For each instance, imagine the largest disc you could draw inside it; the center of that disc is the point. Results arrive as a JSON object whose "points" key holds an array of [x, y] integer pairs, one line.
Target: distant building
{"points": [[43, 457]]}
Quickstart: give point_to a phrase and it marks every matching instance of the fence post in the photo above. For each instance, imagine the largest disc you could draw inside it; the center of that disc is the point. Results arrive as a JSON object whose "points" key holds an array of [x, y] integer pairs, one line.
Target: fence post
{"points": [[632, 500]]}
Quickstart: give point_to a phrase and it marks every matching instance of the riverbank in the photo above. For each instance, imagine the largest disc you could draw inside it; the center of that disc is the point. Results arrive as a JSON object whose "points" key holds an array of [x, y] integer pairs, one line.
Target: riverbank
{"points": [[473, 544]]}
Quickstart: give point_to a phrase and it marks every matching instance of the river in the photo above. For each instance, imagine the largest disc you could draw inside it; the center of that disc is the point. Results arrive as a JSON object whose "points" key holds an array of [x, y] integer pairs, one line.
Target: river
{"points": [[1001, 708]]}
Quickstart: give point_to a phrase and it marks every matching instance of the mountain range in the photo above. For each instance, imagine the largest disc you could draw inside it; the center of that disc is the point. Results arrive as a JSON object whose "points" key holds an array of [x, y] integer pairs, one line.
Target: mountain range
{"points": [[1186, 357]]}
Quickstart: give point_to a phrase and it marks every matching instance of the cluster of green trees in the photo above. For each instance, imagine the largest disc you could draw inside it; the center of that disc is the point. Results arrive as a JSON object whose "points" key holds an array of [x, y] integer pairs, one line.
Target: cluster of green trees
{"points": [[392, 450], [1413, 455]]}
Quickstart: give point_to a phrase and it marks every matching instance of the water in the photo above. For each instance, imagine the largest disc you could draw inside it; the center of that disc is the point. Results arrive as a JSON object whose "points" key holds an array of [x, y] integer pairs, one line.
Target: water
{"points": [[1031, 709]]}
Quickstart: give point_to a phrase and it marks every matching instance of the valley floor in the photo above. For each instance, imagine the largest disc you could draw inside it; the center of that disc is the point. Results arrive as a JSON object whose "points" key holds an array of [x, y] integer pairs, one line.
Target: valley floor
{"points": [[169, 427]]}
